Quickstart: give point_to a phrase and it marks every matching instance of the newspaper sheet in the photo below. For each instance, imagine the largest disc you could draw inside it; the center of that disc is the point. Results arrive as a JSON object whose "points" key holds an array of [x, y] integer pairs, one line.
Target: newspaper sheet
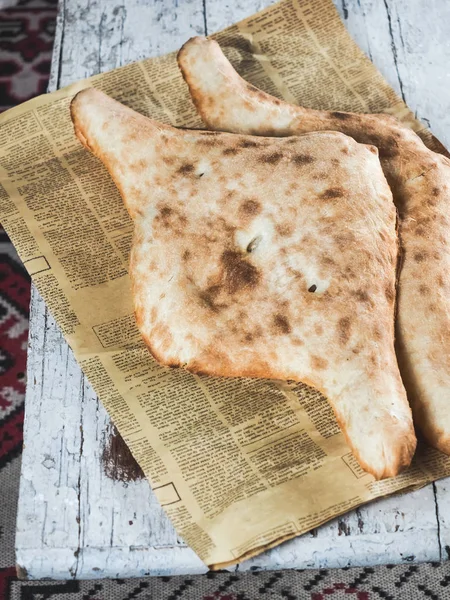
{"points": [[239, 465]]}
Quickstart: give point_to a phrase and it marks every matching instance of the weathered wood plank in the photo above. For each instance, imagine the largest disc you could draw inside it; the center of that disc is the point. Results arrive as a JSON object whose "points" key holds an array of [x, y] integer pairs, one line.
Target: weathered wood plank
{"points": [[420, 37], [117, 33], [219, 15], [68, 505], [88, 524]]}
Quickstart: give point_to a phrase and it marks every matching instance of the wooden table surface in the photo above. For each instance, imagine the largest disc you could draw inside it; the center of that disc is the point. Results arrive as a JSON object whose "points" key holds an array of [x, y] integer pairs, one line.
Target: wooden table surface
{"points": [[75, 520]]}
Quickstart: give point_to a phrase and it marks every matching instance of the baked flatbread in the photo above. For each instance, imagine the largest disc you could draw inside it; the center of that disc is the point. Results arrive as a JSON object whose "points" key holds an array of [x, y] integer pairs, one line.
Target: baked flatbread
{"points": [[419, 179], [244, 264]]}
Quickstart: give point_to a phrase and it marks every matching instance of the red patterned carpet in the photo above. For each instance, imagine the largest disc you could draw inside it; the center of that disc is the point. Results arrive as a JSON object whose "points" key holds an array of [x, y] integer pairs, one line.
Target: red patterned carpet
{"points": [[14, 301], [26, 37], [26, 41]]}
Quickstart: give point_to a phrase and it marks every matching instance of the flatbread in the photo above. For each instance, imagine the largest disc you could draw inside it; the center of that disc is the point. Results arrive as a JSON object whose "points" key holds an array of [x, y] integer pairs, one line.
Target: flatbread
{"points": [[264, 257], [419, 179]]}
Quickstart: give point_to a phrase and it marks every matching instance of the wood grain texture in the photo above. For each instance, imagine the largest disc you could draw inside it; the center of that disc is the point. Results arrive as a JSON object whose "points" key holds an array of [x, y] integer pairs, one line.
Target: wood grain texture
{"points": [[73, 520]]}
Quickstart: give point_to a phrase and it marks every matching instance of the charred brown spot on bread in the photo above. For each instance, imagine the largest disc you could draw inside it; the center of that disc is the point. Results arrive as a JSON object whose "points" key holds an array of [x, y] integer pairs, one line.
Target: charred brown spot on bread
{"points": [[334, 192], [166, 211], [436, 255], [350, 273], [373, 149], [251, 336], [342, 241], [345, 150], [281, 324], [389, 292], [273, 158], [165, 216], [326, 260], [209, 296], [249, 144], [344, 327], [342, 116], [186, 169], [387, 148], [239, 273], [425, 221], [229, 194], [435, 191], [420, 256], [361, 295], [377, 333], [208, 142], [258, 332], [424, 290], [250, 207], [186, 255], [320, 176], [303, 159], [440, 281], [171, 219], [335, 162], [421, 231], [318, 363], [285, 229], [231, 151]]}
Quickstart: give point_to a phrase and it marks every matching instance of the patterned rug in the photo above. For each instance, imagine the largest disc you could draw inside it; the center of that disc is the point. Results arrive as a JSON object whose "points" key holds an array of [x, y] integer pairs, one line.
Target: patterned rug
{"points": [[385, 583], [26, 41], [26, 37]]}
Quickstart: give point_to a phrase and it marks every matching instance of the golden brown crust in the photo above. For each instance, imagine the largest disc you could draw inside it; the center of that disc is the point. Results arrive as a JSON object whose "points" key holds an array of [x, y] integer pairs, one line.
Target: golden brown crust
{"points": [[264, 257]]}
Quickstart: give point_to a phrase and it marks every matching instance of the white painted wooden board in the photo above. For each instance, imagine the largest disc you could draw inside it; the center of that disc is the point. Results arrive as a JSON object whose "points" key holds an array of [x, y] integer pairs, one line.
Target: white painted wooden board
{"points": [[73, 520]]}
